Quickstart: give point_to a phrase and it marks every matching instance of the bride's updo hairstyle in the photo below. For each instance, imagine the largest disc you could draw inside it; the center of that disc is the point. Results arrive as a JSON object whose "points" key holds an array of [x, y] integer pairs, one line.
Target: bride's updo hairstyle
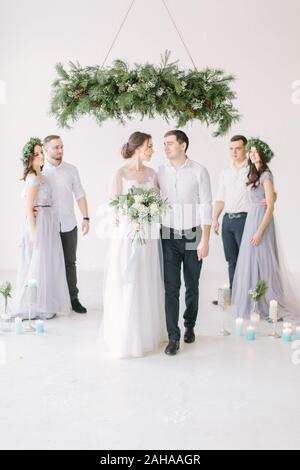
{"points": [[136, 140]]}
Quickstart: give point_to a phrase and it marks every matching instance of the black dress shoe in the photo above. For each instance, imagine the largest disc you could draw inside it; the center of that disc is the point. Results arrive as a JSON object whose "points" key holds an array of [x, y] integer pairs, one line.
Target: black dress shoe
{"points": [[189, 335], [172, 348], [77, 307], [215, 302]]}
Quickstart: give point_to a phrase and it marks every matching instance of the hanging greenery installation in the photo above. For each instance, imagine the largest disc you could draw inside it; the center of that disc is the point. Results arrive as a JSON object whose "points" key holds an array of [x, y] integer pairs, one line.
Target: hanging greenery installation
{"points": [[122, 93]]}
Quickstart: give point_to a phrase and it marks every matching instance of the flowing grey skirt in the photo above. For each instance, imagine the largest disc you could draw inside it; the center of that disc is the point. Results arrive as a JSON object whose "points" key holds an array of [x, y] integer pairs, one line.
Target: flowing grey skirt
{"points": [[257, 263], [43, 262]]}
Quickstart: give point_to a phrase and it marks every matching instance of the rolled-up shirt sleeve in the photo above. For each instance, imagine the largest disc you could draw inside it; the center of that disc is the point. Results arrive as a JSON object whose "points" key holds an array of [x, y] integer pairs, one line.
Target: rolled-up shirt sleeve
{"points": [[77, 188], [205, 198], [221, 189]]}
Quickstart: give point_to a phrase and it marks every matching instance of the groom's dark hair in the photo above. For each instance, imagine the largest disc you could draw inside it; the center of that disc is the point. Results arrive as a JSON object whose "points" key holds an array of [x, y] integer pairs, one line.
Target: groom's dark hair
{"points": [[235, 138], [181, 137]]}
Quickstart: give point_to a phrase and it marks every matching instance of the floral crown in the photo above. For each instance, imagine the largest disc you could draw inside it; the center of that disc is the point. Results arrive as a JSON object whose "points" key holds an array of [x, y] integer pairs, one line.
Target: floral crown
{"points": [[28, 149], [262, 146]]}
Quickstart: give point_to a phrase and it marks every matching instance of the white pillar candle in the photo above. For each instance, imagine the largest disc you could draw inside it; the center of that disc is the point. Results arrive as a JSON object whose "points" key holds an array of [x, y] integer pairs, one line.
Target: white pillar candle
{"points": [[31, 288], [274, 310], [18, 325], [239, 326]]}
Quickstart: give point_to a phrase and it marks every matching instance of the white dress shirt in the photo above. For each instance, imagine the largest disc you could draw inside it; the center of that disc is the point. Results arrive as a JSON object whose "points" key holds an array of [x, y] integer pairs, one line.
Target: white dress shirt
{"points": [[65, 183], [233, 189], [188, 191]]}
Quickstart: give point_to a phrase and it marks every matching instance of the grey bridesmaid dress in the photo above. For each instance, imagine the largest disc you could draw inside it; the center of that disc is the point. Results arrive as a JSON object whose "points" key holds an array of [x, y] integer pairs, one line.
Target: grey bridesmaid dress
{"points": [[44, 261], [258, 262]]}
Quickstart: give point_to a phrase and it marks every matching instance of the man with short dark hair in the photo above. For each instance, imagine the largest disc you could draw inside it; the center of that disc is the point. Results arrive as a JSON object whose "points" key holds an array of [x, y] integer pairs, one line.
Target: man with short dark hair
{"points": [[232, 197], [66, 183], [185, 233]]}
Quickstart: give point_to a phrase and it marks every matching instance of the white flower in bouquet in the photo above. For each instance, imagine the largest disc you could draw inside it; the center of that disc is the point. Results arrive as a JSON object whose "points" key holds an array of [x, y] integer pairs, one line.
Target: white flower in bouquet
{"points": [[143, 212], [137, 206], [139, 199], [141, 206], [154, 209]]}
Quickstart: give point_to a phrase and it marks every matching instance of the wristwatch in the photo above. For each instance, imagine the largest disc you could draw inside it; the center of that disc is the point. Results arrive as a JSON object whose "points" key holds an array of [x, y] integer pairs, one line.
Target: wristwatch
{"points": [[86, 218]]}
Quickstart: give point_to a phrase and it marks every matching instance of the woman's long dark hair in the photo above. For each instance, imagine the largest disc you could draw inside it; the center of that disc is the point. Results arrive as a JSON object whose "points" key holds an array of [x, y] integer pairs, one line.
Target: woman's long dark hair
{"points": [[28, 155], [29, 169], [254, 174]]}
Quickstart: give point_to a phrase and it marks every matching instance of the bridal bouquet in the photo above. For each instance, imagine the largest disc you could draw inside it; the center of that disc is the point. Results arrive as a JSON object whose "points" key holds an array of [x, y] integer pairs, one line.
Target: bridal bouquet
{"points": [[140, 206]]}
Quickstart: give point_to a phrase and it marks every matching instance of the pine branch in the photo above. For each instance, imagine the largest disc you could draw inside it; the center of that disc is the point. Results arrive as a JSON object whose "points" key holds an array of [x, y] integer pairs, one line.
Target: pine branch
{"points": [[122, 93]]}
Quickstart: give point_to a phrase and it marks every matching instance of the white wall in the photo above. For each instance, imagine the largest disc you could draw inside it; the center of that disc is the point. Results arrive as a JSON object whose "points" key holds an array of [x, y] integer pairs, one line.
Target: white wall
{"points": [[257, 41]]}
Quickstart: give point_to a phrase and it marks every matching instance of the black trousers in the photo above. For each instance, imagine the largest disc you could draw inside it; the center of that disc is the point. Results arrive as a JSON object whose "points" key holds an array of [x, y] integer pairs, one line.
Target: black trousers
{"points": [[232, 233], [69, 243], [177, 251]]}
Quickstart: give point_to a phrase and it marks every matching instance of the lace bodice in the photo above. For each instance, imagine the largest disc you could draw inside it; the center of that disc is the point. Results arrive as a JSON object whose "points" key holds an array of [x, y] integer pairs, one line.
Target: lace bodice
{"points": [[44, 193], [124, 179], [258, 193]]}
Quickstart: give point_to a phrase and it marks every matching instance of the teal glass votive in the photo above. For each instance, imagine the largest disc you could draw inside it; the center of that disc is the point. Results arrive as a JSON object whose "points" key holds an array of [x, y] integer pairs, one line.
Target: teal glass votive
{"points": [[39, 326], [287, 334], [250, 333]]}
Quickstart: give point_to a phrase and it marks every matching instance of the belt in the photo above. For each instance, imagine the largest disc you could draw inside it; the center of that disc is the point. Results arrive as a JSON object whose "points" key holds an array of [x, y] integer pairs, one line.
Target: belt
{"points": [[236, 215], [42, 206], [182, 233]]}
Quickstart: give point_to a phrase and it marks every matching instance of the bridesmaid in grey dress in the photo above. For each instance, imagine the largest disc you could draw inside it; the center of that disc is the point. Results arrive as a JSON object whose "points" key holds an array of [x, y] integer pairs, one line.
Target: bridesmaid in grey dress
{"points": [[41, 256], [258, 256]]}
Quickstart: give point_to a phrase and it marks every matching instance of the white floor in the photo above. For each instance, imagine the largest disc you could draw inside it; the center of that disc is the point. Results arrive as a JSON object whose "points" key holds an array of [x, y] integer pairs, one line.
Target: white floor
{"points": [[60, 390]]}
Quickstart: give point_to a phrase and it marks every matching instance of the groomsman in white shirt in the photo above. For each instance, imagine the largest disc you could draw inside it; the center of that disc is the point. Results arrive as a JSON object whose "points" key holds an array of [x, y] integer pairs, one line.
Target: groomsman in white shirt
{"points": [[185, 233], [66, 184], [233, 198]]}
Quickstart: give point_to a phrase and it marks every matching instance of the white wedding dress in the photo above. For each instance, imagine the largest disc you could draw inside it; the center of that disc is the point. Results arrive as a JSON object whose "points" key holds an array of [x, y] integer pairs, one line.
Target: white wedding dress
{"points": [[133, 299]]}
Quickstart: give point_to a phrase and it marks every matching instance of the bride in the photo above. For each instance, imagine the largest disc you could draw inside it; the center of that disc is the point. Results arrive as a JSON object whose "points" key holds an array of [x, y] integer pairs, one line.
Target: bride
{"points": [[133, 301]]}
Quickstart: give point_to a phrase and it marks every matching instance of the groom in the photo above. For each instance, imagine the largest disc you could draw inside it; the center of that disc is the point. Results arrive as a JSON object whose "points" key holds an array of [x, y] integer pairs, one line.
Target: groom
{"points": [[185, 233], [66, 183]]}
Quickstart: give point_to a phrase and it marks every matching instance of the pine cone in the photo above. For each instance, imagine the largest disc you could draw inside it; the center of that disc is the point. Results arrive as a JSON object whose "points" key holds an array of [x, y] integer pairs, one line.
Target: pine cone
{"points": [[208, 104], [79, 93], [191, 112]]}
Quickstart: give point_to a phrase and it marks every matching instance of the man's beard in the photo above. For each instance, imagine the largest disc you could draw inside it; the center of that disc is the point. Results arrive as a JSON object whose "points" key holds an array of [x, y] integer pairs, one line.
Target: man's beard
{"points": [[58, 159]]}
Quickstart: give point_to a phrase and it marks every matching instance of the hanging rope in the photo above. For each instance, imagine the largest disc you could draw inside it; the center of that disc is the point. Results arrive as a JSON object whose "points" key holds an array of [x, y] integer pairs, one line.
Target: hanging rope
{"points": [[173, 22], [118, 32], [179, 34]]}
